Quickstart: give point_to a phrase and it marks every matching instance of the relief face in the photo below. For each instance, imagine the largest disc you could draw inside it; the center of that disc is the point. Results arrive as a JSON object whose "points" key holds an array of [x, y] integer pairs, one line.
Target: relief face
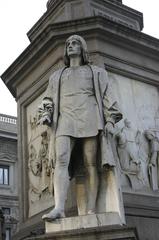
{"points": [[40, 171]]}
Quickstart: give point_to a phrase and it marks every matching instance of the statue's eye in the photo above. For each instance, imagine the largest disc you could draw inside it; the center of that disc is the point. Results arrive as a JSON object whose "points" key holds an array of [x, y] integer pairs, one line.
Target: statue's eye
{"points": [[74, 42]]}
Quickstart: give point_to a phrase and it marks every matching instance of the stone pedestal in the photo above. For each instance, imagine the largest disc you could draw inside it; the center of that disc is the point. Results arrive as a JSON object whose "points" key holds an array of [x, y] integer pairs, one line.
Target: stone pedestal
{"points": [[96, 226], [83, 222], [93, 234]]}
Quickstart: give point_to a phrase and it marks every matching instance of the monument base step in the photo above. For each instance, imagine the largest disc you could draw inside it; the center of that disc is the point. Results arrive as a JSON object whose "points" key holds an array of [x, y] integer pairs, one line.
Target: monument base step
{"points": [[104, 226], [100, 233], [83, 222]]}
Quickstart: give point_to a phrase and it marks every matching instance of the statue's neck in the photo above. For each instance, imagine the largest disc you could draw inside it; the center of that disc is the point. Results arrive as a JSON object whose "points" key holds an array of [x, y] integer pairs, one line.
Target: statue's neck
{"points": [[75, 61]]}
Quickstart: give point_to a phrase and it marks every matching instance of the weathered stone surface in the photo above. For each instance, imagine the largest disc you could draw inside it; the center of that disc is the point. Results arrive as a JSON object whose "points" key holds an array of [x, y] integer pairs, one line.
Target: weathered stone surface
{"points": [[61, 11], [40, 175], [83, 222], [101, 233]]}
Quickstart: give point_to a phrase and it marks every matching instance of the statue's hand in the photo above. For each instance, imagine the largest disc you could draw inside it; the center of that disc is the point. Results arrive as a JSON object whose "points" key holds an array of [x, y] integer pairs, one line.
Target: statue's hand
{"points": [[151, 164], [107, 167], [109, 128], [44, 120], [45, 112]]}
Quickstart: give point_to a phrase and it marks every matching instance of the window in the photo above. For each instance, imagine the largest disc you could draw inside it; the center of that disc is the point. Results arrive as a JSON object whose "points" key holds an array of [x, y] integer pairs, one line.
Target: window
{"points": [[6, 211], [4, 175], [8, 234]]}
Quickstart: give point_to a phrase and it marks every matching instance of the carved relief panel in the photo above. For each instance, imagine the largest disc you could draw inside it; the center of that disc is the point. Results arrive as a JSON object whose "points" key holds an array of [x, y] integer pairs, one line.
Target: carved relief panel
{"points": [[136, 136], [40, 172]]}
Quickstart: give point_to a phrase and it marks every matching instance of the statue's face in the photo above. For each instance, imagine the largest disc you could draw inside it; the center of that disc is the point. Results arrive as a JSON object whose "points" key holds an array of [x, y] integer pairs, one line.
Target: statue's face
{"points": [[73, 48]]}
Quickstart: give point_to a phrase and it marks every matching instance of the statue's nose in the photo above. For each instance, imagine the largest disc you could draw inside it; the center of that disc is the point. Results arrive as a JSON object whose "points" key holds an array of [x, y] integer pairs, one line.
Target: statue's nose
{"points": [[70, 47]]}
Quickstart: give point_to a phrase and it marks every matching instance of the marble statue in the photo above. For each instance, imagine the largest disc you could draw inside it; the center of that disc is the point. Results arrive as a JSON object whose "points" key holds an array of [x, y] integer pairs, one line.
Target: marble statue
{"points": [[153, 167], [79, 108]]}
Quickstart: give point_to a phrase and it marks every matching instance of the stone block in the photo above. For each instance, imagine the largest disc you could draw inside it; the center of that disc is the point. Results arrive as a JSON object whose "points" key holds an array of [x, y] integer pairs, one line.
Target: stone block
{"points": [[100, 233], [83, 222]]}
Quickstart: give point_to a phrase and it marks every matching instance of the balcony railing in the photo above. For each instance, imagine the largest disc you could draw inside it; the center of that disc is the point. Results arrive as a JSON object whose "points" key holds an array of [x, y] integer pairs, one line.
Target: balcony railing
{"points": [[8, 119]]}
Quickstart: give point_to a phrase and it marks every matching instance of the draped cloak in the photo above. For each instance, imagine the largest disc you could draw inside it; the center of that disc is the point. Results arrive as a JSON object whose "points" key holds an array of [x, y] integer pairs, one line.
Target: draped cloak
{"points": [[108, 111]]}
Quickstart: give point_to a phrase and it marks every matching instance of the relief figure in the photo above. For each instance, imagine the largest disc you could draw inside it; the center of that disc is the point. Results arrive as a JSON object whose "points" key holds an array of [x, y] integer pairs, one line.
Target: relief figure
{"points": [[153, 166], [128, 141]]}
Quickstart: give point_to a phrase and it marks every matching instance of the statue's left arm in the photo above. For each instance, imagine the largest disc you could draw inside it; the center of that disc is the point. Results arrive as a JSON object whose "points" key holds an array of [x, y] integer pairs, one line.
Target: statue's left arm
{"points": [[112, 113]]}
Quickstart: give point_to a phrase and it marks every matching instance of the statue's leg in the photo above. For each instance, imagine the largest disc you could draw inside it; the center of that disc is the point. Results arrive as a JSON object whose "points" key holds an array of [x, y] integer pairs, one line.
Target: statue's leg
{"points": [[64, 146], [90, 161]]}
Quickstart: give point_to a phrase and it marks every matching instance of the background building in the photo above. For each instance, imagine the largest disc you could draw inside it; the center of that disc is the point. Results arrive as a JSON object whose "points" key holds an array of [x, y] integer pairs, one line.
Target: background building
{"points": [[8, 173]]}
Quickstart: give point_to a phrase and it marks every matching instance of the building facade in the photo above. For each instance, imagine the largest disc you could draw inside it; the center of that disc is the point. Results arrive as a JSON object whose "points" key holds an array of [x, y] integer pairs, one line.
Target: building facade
{"points": [[8, 173]]}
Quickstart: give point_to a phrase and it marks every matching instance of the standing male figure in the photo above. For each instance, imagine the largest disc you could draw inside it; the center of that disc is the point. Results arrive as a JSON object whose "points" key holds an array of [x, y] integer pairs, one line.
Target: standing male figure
{"points": [[78, 106], [128, 139], [153, 166]]}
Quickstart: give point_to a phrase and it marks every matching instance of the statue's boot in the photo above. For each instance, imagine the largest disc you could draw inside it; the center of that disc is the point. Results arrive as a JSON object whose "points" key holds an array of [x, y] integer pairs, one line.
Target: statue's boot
{"points": [[90, 153], [53, 214], [61, 184], [60, 190], [92, 190], [91, 211], [61, 177]]}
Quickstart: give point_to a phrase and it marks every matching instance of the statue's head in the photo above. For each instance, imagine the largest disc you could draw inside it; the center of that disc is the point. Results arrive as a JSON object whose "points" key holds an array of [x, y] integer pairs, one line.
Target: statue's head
{"points": [[83, 49]]}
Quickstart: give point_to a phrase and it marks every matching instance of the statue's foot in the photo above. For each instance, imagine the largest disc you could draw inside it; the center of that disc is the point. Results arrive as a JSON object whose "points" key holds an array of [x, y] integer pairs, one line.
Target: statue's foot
{"points": [[91, 211], [54, 214]]}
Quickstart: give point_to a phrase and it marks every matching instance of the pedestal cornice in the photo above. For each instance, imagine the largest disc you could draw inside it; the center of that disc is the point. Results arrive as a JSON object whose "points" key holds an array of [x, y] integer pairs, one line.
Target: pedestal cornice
{"points": [[52, 35], [66, 10]]}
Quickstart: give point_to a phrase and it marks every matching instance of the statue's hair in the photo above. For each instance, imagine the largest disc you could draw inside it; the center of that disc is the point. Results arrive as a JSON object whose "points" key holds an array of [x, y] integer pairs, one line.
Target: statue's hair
{"points": [[84, 50]]}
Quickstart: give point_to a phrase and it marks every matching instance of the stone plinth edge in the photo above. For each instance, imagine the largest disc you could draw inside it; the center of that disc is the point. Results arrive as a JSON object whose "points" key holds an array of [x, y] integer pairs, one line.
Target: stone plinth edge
{"points": [[101, 233], [83, 222]]}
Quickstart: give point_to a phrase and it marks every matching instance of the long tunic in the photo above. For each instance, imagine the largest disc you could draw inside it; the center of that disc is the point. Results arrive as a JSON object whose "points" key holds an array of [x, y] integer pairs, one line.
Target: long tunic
{"points": [[108, 109], [79, 113]]}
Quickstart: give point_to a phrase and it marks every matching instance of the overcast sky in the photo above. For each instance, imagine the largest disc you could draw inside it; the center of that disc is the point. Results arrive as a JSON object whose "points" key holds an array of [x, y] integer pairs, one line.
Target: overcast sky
{"points": [[18, 16]]}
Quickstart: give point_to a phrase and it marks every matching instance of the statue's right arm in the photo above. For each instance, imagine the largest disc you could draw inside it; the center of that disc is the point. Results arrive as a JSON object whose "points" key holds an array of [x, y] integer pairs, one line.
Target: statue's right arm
{"points": [[46, 108]]}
